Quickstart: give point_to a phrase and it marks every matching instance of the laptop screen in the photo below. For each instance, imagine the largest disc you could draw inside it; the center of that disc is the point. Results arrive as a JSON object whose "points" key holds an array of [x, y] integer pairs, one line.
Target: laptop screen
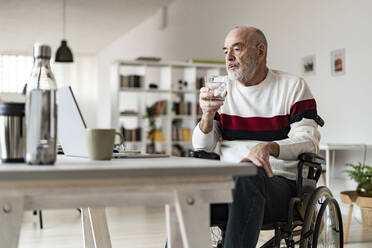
{"points": [[71, 124]]}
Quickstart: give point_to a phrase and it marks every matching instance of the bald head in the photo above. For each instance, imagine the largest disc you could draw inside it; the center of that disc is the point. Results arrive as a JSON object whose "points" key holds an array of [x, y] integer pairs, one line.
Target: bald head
{"points": [[251, 35]]}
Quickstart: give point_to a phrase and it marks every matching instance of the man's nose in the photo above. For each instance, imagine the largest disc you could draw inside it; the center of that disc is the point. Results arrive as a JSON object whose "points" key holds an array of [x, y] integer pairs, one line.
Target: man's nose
{"points": [[230, 56]]}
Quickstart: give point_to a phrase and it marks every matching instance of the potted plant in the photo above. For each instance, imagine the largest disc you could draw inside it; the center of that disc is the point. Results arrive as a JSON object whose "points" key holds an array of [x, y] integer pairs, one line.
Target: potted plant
{"points": [[362, 174]]}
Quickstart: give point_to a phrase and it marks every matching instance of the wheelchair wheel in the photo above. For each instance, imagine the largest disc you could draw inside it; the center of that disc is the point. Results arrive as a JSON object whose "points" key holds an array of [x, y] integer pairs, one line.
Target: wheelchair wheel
{"points": [[328, 230], [316, 201]]}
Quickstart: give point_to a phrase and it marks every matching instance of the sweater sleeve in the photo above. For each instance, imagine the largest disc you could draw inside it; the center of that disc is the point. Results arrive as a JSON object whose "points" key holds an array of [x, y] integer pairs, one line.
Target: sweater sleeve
{"points": [[206, 141], [303, 135]]}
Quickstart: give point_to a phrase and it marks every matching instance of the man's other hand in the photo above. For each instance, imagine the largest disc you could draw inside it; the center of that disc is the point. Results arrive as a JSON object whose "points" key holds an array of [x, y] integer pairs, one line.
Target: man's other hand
{"points": [[260, 155]]}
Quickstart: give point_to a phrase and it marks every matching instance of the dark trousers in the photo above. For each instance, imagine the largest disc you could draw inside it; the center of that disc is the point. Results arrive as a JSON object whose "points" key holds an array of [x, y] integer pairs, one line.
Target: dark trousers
{"points": [[256, 200]]}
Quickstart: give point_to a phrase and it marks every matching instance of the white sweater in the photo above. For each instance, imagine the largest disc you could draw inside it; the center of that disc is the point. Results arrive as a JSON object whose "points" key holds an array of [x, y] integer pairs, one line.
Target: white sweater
{"points": [[280, 108]]}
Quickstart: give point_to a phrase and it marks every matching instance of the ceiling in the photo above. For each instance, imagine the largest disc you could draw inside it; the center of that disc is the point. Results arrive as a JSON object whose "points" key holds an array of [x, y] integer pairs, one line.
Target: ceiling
{"points": [[90, 24]]}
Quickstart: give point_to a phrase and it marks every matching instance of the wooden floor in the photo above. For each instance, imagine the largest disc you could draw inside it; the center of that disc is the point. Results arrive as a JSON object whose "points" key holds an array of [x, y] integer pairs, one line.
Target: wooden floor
{"points": [[142, 227], [129, 228]]}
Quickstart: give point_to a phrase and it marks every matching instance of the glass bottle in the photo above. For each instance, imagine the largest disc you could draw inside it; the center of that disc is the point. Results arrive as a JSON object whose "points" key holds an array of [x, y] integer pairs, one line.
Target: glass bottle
{"points": [[41, 110]]}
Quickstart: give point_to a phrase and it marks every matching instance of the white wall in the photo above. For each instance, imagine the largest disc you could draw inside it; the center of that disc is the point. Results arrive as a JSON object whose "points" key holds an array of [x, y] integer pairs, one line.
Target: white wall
{"points": [[82, 77], [294, 29]]}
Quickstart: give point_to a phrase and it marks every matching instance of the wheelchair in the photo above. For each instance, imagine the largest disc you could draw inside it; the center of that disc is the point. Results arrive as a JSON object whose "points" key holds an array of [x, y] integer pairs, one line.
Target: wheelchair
{"points": [[314, 216]]}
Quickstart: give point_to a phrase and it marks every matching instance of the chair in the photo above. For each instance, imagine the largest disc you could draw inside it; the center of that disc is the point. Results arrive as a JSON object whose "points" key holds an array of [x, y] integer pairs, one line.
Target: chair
{"points": [[314, 216]]}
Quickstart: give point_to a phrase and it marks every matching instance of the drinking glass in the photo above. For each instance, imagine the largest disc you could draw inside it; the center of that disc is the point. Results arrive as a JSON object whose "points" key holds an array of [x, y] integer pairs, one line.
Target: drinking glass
{"points": [[217, 86]]}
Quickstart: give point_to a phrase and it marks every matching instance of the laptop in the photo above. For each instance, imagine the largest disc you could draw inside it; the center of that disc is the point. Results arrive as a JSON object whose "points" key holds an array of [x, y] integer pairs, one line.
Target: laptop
{"points": [[71, 128]]}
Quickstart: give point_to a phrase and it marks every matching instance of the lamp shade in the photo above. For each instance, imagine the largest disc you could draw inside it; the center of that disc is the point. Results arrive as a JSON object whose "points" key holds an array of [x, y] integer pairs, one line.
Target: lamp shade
{"points": [[64, 53]]}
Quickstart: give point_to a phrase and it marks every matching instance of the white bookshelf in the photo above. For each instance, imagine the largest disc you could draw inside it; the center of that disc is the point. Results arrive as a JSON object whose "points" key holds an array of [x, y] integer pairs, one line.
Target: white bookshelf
{"points": [[166, 76]]}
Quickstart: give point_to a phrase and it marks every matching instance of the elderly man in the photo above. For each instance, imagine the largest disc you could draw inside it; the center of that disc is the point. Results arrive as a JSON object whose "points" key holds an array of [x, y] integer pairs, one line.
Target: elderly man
{"points": [[268, 118]]}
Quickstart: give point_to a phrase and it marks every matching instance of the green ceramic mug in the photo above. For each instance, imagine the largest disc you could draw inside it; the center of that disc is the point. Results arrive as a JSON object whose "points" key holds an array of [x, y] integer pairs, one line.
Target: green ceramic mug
{"points": [[100, 143]]}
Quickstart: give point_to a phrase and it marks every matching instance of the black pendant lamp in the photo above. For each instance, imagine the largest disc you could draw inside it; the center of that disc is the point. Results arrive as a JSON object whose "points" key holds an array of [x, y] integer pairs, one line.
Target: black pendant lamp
{"points": [[64, 53]]}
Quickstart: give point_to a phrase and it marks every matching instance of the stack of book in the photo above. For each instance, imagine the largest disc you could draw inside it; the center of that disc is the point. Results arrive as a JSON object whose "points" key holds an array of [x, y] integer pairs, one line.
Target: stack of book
{"points": [[130, 81], [131, 134], [160, 107], [182, 108], [179, 133]]}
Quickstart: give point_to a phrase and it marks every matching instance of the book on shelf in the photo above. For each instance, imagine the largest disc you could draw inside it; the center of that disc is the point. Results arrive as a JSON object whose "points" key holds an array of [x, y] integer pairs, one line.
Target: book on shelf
{"points": [[200, 82], [160, 107], [182, 108], [131, 134], [131, 81], [181, 134]]}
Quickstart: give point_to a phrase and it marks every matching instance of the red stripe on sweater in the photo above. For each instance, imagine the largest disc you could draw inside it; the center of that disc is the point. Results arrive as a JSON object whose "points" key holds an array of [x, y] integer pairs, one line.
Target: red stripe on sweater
{"points": [[301, 106], [234, 122]]}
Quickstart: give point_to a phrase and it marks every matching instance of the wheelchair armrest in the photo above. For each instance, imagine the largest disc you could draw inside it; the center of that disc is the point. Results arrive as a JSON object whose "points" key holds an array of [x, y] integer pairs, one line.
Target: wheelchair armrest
{"points": [[313, 161], [311, 158], [204, 155]]}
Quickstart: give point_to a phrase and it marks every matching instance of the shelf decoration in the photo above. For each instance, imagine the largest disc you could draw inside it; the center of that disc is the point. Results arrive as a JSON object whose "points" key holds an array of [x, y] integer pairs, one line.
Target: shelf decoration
{"points": [[156, 135], [209, 61]]}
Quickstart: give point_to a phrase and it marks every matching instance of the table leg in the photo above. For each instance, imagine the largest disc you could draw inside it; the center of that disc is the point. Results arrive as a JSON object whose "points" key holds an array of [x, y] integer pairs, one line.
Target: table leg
{"points": [[193, 215], [87, 229], [328, 172], [95, 228], [333, 163], [347, 229], [173, 228], [11, 214]]}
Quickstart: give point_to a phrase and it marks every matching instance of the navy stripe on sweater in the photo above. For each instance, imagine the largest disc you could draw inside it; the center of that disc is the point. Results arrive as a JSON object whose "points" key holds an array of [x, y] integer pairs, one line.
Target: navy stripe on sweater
{"points": [[265, 128]]}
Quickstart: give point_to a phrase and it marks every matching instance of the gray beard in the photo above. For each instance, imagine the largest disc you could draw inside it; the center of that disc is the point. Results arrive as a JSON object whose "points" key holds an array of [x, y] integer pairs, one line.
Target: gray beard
{"points": [[246, 72]]}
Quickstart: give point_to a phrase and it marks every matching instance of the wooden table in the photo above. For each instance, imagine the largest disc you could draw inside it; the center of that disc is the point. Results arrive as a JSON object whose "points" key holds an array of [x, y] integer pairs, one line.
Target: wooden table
{"points": [[330, 151], [352, 198], [186, 186]]}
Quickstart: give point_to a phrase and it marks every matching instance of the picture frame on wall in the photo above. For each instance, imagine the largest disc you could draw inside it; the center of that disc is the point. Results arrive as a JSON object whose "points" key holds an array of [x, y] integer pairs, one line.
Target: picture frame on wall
{"points": [[338, 62], [308, 65]]}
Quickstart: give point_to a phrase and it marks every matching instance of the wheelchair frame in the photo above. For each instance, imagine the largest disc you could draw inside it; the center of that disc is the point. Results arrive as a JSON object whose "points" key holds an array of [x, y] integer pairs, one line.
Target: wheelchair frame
{"points": [[308, 197]]}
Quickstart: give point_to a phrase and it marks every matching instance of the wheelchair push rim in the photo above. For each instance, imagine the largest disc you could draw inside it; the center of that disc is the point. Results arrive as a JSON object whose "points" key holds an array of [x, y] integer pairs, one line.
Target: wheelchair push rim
{"points": [[316, 202], [328, 230]]}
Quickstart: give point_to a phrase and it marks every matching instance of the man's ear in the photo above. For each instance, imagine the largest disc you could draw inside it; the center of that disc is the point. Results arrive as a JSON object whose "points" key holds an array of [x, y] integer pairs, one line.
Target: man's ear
{"points": [[261, 49]]}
